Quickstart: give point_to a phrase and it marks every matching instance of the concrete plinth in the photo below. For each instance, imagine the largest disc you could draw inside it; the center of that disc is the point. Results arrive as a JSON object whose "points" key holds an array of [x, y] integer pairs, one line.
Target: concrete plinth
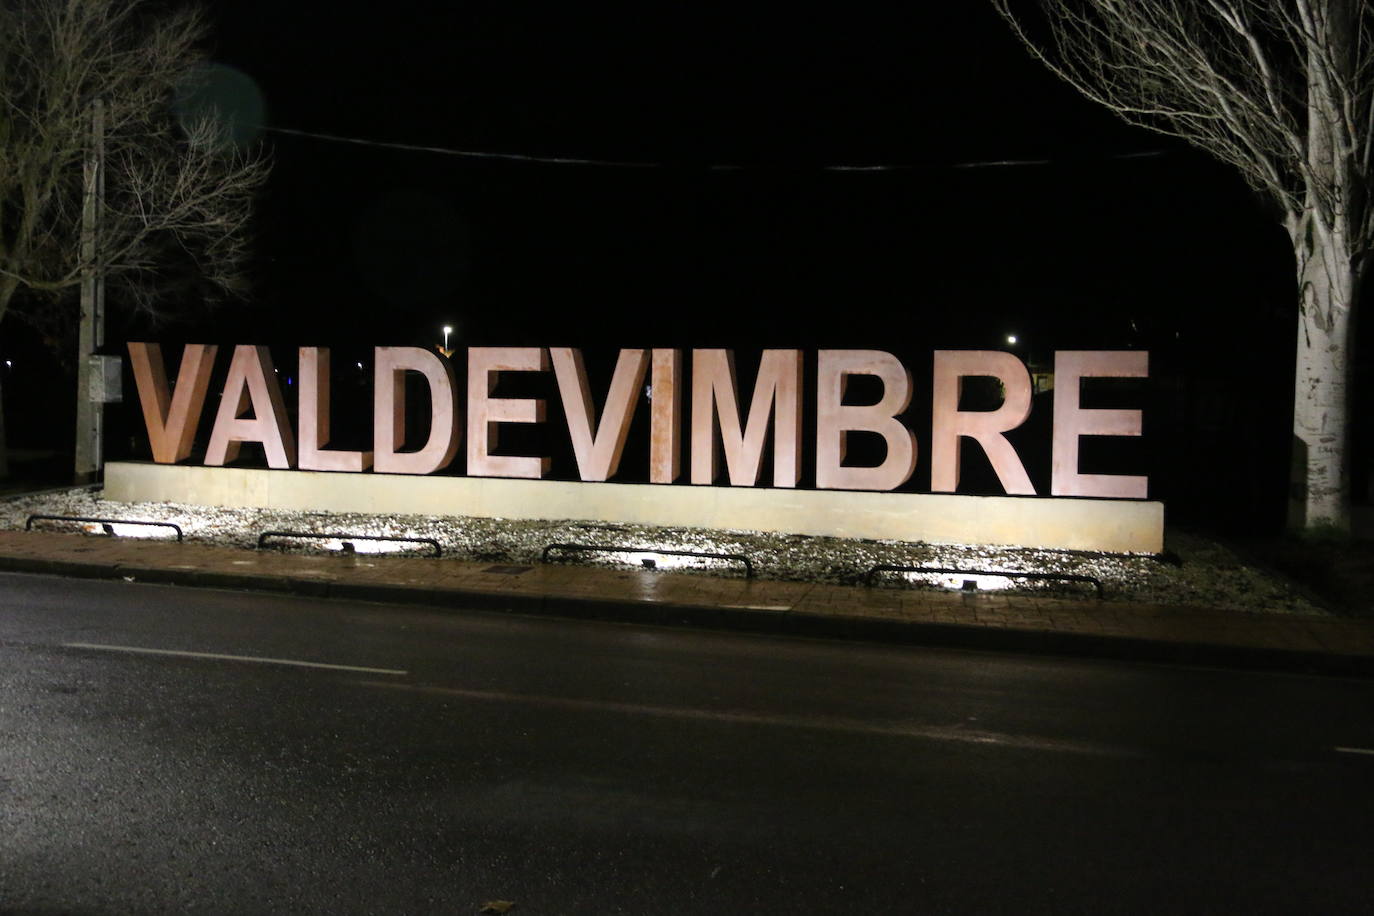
{"points": [[1111, 525]]}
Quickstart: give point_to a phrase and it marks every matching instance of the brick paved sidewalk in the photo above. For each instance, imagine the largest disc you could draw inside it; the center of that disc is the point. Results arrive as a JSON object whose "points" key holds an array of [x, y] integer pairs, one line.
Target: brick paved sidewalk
{"points": [[972, 620]]}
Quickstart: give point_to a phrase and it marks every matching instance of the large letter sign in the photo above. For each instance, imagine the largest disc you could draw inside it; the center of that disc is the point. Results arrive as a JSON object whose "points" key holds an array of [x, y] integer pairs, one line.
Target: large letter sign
{"points": [[252, 410], [716, 395], [835, 420], [389, 411], [986, 427], [313, 411], [1072, 422], [252, 384], [598, 452], [665, 414], [172, 419], [486, 413]]}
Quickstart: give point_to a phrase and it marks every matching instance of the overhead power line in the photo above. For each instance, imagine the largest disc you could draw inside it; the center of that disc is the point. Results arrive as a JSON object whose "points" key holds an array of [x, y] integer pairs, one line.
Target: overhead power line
{"points": [[485, 155], [463, 153]]}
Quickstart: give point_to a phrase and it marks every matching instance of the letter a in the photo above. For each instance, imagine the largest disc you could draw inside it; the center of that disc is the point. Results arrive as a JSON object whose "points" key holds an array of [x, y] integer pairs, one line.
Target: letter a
{"points": [[252, 382]]}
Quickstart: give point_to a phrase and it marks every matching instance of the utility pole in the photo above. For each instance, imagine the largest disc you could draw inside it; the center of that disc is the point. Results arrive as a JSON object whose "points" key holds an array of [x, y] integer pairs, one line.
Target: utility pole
{"points": [[90, 369]]}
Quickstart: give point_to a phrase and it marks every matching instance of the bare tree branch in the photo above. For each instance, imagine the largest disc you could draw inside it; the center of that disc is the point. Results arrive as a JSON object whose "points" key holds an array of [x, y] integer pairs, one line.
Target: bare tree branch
{"points": [[1283, 90], [1230, 76], [175, 195]]}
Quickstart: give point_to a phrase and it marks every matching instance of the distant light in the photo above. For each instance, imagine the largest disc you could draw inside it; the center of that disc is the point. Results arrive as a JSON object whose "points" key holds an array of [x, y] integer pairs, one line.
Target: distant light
{"points": [[360, 365], [9, 364], [1011, 339]]}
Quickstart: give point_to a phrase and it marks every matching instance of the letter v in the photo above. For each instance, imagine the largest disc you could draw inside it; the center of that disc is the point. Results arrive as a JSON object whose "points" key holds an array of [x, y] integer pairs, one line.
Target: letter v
{"points": [[598, 454], [172, 420]]}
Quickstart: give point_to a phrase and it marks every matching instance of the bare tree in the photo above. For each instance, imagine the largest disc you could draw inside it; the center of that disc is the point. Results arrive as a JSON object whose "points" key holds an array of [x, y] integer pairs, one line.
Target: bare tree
{"points": [[1283, 90], [177, 192]]}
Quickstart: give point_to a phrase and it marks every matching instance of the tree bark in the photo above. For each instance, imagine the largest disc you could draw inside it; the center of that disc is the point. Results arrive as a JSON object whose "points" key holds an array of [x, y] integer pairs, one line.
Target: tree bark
{"points": [[4, 444], [8, 286], [1320, 485]]}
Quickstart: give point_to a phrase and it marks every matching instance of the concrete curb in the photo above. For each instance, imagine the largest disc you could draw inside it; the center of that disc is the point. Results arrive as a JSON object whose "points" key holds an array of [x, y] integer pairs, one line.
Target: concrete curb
{"points": [[781, 623]]}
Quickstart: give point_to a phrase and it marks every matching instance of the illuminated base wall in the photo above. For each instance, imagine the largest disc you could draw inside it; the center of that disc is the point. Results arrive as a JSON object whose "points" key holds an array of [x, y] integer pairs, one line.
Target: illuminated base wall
{"points": [[1114, 525]]}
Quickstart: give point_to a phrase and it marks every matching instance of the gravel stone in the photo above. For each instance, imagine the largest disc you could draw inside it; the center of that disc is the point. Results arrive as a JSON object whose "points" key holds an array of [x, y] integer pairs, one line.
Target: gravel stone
{"points": [[1197, 571]]}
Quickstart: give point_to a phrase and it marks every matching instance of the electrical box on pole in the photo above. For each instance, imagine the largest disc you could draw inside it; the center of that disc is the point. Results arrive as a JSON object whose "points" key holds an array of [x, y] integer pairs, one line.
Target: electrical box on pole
{"points": [[105, 379]]}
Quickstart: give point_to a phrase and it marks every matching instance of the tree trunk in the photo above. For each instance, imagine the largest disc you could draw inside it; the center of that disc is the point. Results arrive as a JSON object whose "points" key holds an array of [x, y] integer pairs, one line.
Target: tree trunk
{"points": [[8, 287], [4, 444], [1319, 498]]}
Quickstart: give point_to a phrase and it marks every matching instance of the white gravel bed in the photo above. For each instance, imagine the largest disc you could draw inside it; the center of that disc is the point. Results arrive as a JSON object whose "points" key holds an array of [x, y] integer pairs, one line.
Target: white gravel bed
{"points": [[1204, 573]]}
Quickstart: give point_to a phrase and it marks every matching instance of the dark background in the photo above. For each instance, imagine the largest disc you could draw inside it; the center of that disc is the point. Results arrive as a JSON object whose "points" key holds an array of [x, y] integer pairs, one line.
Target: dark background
{"points": [[732, 228]]}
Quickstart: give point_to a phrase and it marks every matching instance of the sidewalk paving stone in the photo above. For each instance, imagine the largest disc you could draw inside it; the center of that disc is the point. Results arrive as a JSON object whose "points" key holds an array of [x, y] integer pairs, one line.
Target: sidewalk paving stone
{"points": [[966, 619]]}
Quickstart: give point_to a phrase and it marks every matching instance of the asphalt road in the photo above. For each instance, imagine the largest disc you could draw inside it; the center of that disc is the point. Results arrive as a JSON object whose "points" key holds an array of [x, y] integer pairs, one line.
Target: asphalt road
{"points": [[313, 756]]}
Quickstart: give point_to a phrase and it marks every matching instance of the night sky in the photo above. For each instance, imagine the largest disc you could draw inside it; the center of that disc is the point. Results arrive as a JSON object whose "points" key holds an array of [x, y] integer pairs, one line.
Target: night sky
{"points": [[732, 228], [736, 233]]}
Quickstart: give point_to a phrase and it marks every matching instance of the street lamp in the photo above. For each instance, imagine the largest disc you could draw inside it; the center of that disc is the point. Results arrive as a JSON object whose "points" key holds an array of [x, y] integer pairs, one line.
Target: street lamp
{"points": [[447, 329], [1011, 340]]}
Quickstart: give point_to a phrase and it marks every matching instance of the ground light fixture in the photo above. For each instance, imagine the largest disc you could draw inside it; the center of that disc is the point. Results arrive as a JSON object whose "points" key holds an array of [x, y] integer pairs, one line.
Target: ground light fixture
{"points": [[115, 527], [652, 557], [348, 543], [972, 580]]}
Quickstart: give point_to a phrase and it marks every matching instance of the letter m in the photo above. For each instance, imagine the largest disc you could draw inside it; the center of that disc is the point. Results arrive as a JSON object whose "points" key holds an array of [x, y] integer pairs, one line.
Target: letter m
{"points": [[715, 396]]}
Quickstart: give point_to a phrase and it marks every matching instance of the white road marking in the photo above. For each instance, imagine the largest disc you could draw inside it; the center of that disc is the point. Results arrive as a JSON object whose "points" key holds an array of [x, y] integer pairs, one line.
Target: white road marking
{"points": [[825, 723], [218, 656], [760, 607], [1356, 750]]}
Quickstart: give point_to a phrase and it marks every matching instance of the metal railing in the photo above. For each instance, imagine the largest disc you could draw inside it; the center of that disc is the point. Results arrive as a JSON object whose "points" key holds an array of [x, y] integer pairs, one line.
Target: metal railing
{"points": [[108, 523], [604, 548]]}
